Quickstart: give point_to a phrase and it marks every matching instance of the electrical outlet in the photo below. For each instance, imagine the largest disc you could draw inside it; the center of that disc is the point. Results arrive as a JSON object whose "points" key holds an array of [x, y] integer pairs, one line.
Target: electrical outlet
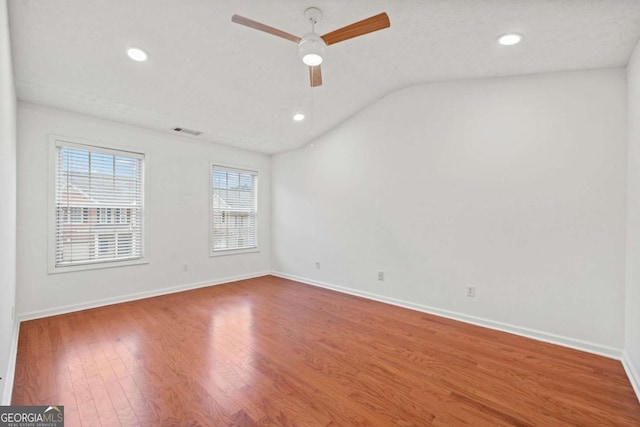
{"points": [[185, 267], [381, 276], [317, 265], [471, 291]]}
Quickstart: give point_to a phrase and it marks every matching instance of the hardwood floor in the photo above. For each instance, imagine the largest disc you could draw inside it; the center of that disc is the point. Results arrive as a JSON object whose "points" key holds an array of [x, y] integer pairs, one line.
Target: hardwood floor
{"points": [[270, 351]]}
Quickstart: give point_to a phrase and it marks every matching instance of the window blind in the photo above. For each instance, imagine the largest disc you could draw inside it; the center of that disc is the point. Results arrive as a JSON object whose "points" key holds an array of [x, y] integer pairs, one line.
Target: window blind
{"points": [[234, 209], [98, 204]]}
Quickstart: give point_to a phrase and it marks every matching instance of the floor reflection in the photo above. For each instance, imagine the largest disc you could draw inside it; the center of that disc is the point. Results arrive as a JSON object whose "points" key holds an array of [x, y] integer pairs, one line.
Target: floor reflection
{"points": [[231, 345]]}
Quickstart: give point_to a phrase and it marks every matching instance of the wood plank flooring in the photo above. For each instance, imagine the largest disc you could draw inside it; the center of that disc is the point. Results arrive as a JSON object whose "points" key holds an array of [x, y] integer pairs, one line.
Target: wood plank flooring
{"points": [[270, 351]]}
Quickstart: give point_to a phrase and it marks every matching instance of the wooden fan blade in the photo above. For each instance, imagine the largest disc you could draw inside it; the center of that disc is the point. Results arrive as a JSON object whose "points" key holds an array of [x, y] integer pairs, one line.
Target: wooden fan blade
{"points": [[262, 27], [369, 25], [315, 75]]}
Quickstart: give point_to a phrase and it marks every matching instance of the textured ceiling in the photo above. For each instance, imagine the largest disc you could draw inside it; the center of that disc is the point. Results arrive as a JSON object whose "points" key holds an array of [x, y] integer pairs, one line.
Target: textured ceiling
{"points": [[241, 87]]}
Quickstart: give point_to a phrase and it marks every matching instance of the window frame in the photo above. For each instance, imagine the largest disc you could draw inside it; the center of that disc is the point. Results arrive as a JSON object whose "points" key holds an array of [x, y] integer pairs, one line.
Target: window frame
{"points": [[242, 169], [56, 141]]}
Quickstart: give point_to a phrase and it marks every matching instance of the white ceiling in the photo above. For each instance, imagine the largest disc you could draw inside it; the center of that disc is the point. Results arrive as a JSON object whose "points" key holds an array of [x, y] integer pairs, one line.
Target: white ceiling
{"points": [[241, 86]]}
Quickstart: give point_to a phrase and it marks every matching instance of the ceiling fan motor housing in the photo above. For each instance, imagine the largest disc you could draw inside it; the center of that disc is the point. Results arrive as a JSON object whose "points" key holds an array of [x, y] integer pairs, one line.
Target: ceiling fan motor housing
{"points": [[311, 49]]}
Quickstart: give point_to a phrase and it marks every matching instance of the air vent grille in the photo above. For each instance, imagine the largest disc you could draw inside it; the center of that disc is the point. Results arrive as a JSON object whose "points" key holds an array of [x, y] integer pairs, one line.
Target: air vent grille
{"points": [[189, 131]]}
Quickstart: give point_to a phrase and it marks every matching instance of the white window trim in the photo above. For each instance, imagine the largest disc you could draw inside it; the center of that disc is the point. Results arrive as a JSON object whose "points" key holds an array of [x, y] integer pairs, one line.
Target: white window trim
{"points": [[51, 208], [227, 252]]}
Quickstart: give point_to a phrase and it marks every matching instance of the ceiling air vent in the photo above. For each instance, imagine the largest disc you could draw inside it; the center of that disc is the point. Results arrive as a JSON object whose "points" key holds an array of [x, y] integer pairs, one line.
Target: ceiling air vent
{"points": [[189, 131]]}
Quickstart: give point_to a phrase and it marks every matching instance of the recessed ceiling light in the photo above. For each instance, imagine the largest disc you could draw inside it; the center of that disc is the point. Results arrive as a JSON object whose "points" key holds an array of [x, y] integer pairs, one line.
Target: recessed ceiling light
{"points": [[510, 39], [137, 54], [298, 117]]}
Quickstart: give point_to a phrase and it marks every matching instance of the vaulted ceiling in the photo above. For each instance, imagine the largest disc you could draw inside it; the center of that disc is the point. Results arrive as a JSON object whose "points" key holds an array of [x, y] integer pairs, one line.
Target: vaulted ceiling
{"points": [[241, 87]]}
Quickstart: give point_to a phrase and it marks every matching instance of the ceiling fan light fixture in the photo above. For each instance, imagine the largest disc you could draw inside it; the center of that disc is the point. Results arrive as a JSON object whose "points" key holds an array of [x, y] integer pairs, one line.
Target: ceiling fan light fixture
{"points": [[311, 49], [312, 59]]}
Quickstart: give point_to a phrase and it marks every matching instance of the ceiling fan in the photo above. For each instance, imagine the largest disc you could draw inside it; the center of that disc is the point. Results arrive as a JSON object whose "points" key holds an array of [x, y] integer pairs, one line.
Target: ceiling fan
{"points": [[311, 46]]}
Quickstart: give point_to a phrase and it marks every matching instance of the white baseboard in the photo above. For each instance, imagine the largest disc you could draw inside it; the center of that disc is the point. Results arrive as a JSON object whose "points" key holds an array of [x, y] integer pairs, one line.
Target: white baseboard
{"points": [[31, 315], [11, 366], [589, 347], [632, 372]]}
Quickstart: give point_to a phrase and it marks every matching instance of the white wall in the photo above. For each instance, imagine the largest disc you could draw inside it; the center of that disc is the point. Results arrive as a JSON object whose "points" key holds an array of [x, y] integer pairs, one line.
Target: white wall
{"points": [[7, 204], [177, 178], [632, 296], [514, 185]]}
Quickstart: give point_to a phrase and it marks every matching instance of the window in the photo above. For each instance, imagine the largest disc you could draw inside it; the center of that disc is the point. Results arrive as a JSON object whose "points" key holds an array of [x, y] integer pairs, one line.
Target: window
{"points": [[105, 215], [123, 216], [106, 246], [98, 206], [234, 210], [114, 245], [124, 244], [74, 215]]}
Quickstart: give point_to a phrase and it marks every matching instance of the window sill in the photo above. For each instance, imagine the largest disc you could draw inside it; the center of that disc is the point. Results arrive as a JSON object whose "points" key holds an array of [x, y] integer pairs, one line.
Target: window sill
{"points": [[233, 252], [96, 266]]}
